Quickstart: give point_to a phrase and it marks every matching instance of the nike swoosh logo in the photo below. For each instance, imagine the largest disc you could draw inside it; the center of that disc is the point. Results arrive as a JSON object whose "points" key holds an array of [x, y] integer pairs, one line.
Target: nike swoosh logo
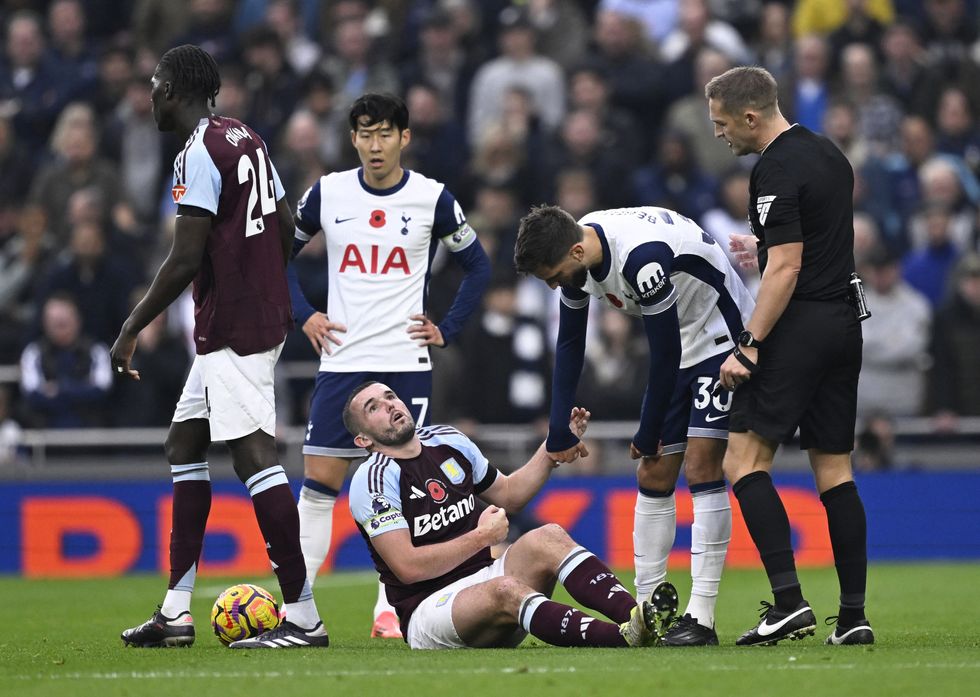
{"points": [[709, 418], [765, 629], [338, 221]]}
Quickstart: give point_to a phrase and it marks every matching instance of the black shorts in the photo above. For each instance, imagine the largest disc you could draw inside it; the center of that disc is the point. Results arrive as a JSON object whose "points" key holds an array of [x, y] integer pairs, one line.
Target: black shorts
{"points": [[807, 377]]}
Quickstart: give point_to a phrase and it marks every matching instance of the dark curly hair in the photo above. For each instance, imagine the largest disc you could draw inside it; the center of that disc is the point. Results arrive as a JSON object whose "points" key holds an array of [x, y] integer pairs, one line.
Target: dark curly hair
{"points": [[194, 72]]}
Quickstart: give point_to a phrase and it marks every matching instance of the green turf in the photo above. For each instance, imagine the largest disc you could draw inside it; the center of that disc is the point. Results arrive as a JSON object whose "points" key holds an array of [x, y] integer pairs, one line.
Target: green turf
{"points": [[62, 637]]}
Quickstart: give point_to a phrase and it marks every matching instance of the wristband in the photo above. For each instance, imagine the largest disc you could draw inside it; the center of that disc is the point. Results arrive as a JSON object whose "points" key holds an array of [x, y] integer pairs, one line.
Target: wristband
{"points": [[744, 360]]}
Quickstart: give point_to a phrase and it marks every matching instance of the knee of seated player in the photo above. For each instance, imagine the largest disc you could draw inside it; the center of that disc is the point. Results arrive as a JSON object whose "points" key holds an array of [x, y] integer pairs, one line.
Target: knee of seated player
{"points": [[506, 594], [702, 461], [660, 474], [326, 469], [549, 543]]}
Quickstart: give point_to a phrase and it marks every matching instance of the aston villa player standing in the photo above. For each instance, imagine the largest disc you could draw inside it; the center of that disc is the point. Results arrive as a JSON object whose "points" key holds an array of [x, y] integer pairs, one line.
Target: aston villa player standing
{"points": [[382, 225], [797, 363], [232, 237]]}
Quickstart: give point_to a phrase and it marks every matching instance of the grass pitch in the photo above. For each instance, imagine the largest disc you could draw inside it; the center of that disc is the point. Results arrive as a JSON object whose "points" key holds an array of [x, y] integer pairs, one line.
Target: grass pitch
{"points": [[62, 638]]}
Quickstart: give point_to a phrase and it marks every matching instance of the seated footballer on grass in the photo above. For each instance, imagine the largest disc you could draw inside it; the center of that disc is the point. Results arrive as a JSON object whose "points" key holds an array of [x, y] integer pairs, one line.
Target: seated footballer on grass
{"points": [[414, 500]]}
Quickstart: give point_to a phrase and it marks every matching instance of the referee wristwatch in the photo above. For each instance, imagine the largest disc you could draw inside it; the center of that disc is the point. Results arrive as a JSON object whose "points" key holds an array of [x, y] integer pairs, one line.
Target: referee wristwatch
{"points": [[746, 339]]}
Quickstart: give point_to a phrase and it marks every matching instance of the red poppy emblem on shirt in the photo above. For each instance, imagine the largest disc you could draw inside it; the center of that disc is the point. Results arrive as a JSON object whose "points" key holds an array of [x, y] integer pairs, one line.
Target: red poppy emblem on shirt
{"points": [[614, 300], [377, 218], [178, 192], [436, 490]]}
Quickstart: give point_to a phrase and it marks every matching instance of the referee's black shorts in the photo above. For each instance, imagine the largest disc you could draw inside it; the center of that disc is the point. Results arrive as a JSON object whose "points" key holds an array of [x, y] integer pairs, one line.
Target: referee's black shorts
{"points": [[807, 377]]}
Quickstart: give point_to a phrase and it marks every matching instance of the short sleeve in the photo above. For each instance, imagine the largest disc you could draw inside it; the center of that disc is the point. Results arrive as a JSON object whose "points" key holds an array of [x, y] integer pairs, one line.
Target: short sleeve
{"points": [[449, 224], [647, 272], [195, 171], [276, 181], [776, 203], [375, 497], [308, 211], [483, 472]]}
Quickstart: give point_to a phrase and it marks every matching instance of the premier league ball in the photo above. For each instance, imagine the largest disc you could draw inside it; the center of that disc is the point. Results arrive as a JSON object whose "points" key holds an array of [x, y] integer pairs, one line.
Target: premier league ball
{"points": [[244, 611]]}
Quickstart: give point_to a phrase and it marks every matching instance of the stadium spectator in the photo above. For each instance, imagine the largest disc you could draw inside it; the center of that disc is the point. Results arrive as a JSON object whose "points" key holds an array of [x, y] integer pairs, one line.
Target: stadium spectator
{"points": [[438, 141], [33, 89], [946, 182], [575, 191], [893, 190], [773, 46], [674, 179], [878, 115], [286, 19], [207, 27], [299, 152], [69, 44], [905, 74], [806, 94], [957, 132], [656, 18], [867, 237], [562, 29], [155, 23], [686, 116], [78, 165], [614, 375], [823, 16], [354, 66], [500, 159], [955, 376], [874, 449], [896, 340], [130, 138], [96, 276], [628, 64], [859, 27], [516, 391], [840, 125], [929, 268], [273, 87], [443, 63], [65, 375], [320, 99], [580, 145], [493, 603], [16, 166], [519, 65], [233, 97], [589, 89], [697, 29], [24, 251]]}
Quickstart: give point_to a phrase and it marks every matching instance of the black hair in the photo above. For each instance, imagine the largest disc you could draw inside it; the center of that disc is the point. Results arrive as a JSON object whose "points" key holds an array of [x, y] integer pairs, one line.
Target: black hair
{"points": [[379, 108], [351, 423], [544, 238], [194, 72]]}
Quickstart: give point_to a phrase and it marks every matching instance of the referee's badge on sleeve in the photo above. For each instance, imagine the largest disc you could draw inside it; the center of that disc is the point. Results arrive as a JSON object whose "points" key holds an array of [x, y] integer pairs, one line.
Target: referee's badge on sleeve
{"points": [[762, 205]]}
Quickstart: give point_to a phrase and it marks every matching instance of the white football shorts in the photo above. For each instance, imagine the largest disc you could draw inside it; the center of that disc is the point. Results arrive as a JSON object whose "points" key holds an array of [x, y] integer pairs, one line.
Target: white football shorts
{"points": [[431, 625], [234, 393]]}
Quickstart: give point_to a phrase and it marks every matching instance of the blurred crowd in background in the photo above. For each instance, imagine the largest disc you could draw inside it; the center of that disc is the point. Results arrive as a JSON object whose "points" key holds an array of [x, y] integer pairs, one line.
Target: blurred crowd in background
{"points": [[589, 104]]}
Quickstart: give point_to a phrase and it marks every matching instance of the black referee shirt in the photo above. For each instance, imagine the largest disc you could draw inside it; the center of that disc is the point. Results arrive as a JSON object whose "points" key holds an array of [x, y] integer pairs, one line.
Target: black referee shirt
{"points": [[801, 191]]}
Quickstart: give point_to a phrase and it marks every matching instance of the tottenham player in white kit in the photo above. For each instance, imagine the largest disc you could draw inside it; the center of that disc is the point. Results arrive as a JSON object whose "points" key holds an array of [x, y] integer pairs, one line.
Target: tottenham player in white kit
{"points": [[382, 225], [657, 265]]}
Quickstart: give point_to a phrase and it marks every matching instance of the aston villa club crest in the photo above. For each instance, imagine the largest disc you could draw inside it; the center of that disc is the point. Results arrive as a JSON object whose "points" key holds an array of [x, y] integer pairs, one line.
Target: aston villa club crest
{"points": [[452, 470]]}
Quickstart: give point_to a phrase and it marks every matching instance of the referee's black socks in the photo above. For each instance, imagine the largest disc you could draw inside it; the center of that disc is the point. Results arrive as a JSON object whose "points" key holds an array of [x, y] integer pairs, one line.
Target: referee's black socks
{"points": [[765, 517], [849, 538]]}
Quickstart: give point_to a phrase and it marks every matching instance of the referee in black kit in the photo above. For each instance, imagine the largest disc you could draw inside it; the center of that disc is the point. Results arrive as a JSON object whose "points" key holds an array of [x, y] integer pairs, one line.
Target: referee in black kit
{"points": [[798, 360]]}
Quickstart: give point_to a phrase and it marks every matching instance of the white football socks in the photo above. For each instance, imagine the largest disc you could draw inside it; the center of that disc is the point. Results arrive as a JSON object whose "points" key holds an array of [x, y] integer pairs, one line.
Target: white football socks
{"points": [[382, 605], [315, 528], [710, 534], [654, 525]]}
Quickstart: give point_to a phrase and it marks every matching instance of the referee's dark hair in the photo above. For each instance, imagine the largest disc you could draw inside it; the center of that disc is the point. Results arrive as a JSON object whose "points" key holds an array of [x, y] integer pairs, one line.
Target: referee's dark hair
{"points": [[194, 72], [378, 108], [544, 238], [351, 423], [743, 88]]}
